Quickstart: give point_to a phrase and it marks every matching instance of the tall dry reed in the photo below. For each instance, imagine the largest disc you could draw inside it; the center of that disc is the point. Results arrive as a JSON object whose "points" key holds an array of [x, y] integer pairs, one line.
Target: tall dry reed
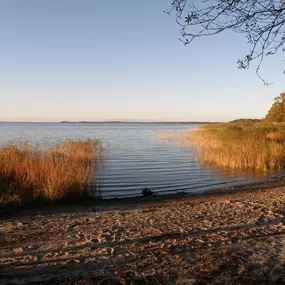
{"points": [[243, 146], [30, 173]]}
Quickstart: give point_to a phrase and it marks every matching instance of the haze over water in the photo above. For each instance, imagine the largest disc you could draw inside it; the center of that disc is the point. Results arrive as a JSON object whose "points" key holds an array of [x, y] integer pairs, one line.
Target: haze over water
{"points": [[134, 157]]}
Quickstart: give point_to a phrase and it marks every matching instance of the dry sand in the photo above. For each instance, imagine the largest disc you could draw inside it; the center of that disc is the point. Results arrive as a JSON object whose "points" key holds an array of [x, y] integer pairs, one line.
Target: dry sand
{"points": [[230, 238]]}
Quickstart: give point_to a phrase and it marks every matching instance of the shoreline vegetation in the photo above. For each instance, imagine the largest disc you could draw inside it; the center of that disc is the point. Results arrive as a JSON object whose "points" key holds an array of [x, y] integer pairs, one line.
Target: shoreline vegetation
{"points": [[33, 175], [257, 147], [253, 146]]}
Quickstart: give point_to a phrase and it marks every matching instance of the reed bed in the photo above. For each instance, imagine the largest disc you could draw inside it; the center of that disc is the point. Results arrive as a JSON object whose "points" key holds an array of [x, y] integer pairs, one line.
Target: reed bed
{"points": [[31, 174], [243, 146]]}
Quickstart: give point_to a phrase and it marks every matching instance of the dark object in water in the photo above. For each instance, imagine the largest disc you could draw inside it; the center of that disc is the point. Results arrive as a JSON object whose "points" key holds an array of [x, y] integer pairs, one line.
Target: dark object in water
{"points": [[147, 192]]}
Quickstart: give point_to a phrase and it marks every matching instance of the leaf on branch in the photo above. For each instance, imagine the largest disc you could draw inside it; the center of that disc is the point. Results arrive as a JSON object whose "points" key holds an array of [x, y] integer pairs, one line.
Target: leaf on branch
{"points": [[188, 19]]}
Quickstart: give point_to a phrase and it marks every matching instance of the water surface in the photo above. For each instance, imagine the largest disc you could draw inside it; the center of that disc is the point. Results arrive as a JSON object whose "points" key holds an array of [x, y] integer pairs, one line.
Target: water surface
{"points": [[134, 157]]}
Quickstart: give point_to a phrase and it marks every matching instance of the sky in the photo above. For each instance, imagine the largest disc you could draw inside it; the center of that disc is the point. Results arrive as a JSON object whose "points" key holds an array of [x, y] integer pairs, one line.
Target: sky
{"points": [[99, 60]]}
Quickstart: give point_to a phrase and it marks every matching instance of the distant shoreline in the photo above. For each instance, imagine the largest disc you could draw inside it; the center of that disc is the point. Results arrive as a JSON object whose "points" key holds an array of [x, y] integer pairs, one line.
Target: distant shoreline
{"points": [[130, 122], [111, 122]]}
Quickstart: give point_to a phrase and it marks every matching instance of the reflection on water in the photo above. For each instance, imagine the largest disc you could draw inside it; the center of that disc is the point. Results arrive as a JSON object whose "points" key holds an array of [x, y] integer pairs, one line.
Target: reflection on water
{"points": [[134, 157]]}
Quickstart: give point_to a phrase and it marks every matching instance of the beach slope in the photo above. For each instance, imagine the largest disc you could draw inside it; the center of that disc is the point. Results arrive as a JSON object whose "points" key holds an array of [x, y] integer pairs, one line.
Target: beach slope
{"points": [[233, 238]]}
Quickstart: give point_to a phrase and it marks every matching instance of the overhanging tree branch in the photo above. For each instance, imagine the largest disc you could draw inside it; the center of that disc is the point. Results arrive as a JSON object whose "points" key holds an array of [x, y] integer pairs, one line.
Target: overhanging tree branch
{"points": [[261, 21]]}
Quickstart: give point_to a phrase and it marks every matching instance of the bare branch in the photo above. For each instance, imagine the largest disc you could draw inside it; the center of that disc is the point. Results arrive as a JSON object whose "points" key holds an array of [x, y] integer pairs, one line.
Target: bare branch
{"points": [[261, 21]]}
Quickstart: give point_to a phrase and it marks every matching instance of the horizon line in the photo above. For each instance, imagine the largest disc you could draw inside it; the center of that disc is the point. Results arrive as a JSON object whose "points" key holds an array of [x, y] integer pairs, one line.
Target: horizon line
{"points": [[112, 121]]}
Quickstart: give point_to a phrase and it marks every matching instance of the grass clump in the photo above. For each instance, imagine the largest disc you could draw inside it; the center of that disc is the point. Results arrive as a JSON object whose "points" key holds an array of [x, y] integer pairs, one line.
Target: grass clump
{"points": [[244, 146], [30, 174]]}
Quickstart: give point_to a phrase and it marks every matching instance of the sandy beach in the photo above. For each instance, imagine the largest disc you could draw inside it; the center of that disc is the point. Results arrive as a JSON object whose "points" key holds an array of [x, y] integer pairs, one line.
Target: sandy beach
{"points": [[220, 238]]}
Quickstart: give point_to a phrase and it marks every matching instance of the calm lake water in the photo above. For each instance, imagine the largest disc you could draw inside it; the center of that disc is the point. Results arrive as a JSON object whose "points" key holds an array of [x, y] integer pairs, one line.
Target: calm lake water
{"points": [[134, 157]]}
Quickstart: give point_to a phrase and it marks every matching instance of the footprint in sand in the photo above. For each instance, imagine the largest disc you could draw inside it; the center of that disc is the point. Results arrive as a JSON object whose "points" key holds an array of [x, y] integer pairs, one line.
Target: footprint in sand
{"points": [[81, 236]]}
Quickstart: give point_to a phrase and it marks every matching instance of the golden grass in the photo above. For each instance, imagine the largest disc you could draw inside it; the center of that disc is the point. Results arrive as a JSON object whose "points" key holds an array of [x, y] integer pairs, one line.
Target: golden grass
{"points": [[243, 146], [29, 173]]}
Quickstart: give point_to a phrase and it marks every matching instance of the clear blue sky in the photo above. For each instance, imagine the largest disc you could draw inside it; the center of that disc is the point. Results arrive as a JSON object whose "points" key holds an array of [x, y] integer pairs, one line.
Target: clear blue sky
{"points": [[105, 60]]}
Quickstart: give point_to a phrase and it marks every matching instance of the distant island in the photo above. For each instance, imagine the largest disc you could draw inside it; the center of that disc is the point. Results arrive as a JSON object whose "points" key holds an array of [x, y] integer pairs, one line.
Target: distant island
{"points": [[131, 122]]}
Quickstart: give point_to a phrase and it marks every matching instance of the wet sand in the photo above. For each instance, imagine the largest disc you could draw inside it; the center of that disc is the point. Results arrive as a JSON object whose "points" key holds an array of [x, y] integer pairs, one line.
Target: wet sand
{"points": [[219, 238]]}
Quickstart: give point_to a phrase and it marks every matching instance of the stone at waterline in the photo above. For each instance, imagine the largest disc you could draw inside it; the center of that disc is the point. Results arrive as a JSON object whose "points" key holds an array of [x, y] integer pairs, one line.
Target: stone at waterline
{"points": [[147, 192]]}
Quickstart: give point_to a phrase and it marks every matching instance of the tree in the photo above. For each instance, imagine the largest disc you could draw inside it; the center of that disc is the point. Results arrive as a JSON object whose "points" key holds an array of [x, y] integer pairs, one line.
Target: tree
{"points": [[261, 21], [277, 110]]}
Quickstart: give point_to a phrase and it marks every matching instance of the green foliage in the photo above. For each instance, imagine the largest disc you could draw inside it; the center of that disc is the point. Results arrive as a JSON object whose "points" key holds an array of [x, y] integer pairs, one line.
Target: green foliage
{"points": [[277, 110]]}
